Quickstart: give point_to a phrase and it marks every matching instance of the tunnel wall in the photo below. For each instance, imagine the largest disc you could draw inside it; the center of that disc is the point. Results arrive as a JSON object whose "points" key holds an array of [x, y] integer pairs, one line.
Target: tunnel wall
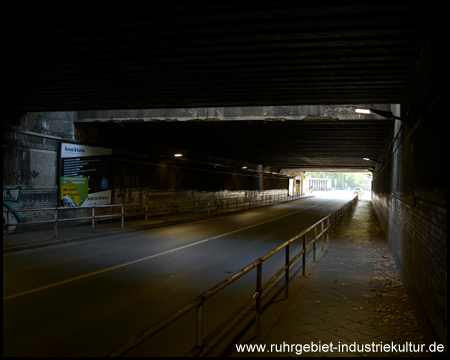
{"points": [[194, 176], [31, 166], [30, 159], [410, 192]]}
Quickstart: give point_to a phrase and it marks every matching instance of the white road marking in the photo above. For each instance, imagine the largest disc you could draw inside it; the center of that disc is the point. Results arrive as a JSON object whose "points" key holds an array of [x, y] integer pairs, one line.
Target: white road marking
{"points": [[147, 257]]}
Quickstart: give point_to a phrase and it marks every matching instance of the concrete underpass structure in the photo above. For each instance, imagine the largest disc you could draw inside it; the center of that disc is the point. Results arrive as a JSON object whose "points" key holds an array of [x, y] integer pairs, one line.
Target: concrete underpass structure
{"points": [[260, 138]]}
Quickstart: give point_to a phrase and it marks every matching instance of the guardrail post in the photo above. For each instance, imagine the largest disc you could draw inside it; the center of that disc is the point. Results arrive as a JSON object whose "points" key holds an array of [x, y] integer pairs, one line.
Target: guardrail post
{"points": [[258, 300], [56, 220], [123, 214], [286, 273], [93, 217], [328, 230], [196, 208], [208, 207], [7, 227], [304, 255], [322, 236], [146, 214], [199, 326], [314, 244]]}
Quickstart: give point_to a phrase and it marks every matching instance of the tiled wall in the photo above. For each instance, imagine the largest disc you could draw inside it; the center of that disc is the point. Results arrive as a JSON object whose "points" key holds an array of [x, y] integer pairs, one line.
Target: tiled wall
{"points": [[418, 240]]}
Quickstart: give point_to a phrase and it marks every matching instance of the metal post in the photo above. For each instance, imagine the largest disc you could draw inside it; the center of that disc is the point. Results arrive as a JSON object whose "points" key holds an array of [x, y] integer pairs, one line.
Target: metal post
{"points": [[93, 217], [182, 214], [56, 220], [322, 235], [258, 300], [328, 230], [314, 244], [123, 214], [208, 207], [165, 213], [146, 215], [7, 227], [304, 255], [286, 273], [199, 325], [196, 208]]}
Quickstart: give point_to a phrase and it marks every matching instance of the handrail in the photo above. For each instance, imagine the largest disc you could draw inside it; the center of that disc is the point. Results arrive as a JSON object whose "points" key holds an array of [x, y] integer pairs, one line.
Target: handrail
{"points": [[154, 209], [200, 340]]}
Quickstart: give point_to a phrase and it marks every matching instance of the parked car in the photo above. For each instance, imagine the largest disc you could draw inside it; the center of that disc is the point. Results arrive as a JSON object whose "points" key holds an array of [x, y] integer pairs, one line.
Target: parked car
{"points": [[358, 190]]}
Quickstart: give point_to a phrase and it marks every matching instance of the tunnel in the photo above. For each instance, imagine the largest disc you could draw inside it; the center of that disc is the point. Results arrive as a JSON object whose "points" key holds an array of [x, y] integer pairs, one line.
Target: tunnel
{"points": [[250, 96]]}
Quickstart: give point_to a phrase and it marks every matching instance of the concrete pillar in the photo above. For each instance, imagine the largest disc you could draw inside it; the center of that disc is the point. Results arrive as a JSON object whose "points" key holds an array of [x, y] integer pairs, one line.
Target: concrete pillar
{"points": [[260, 177]]}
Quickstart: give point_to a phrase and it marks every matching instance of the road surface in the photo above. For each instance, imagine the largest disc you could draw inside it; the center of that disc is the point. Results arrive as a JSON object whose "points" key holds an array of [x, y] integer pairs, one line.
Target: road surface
{"points": [[86, 298]]}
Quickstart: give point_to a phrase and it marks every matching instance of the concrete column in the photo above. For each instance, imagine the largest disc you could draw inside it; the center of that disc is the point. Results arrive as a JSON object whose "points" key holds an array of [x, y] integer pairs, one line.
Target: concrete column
{"points": [[260, 177]]}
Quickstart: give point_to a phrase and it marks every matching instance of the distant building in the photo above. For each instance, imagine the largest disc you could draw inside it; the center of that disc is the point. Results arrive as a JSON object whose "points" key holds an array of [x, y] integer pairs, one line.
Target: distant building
{"points": [[317, 184]]}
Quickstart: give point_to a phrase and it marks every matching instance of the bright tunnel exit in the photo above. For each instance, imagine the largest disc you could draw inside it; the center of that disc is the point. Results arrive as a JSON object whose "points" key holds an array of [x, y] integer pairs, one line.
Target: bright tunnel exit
{"points": [[338, 185]]}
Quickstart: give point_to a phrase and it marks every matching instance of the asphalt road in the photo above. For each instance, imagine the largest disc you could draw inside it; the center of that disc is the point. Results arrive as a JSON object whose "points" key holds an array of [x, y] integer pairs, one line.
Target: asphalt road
{"points": [[86, 298]]}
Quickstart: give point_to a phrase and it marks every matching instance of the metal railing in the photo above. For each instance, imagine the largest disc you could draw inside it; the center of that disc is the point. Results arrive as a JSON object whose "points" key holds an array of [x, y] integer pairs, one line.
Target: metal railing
{"points": [[333, 221], [160, 209]]}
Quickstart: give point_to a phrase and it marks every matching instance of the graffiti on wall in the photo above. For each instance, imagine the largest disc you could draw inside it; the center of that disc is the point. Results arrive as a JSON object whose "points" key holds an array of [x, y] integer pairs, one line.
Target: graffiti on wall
{"points": [[20, 176], [11, 196]]}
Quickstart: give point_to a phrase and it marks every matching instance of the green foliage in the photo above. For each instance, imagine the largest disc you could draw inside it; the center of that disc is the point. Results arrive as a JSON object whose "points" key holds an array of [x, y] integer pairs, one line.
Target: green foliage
{"points": [[352, 180]]}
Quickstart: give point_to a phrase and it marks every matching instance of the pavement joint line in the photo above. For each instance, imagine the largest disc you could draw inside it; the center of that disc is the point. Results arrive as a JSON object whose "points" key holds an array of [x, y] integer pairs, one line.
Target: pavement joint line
{"points": [[147, 257]]}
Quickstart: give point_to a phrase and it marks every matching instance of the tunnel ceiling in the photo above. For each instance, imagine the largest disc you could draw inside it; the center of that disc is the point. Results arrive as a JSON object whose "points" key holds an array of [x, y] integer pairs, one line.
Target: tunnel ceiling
{"points": [[68, 57], [308, 145], [65, 57]]}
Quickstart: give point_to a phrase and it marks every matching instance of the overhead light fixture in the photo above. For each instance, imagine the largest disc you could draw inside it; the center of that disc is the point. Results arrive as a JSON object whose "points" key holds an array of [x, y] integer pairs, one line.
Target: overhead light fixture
{"points": [[244, 167], [385, 114], [369, 159], [178, 155]]}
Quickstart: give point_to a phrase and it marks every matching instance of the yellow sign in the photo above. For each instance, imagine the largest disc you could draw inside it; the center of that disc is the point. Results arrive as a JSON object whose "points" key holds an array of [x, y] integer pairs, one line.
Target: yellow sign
{"points": [[69, 189], [74, 190]]}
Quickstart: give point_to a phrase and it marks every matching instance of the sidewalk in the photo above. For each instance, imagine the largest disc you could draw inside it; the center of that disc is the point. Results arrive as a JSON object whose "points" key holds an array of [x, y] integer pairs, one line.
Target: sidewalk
{"points": [[353, 294]]}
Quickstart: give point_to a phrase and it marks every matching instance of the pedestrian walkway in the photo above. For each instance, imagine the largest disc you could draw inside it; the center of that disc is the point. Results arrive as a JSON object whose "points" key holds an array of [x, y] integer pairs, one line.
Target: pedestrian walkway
{"points": [[351, 297]]}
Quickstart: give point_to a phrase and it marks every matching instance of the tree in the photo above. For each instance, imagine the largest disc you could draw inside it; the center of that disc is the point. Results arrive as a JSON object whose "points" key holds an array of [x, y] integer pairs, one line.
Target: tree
{"points": [[342, 180]]}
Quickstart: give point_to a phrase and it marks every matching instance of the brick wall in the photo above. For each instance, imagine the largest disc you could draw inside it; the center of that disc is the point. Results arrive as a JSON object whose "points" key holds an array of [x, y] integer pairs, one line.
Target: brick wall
{"points": [[410, 190], [418, 240]]}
